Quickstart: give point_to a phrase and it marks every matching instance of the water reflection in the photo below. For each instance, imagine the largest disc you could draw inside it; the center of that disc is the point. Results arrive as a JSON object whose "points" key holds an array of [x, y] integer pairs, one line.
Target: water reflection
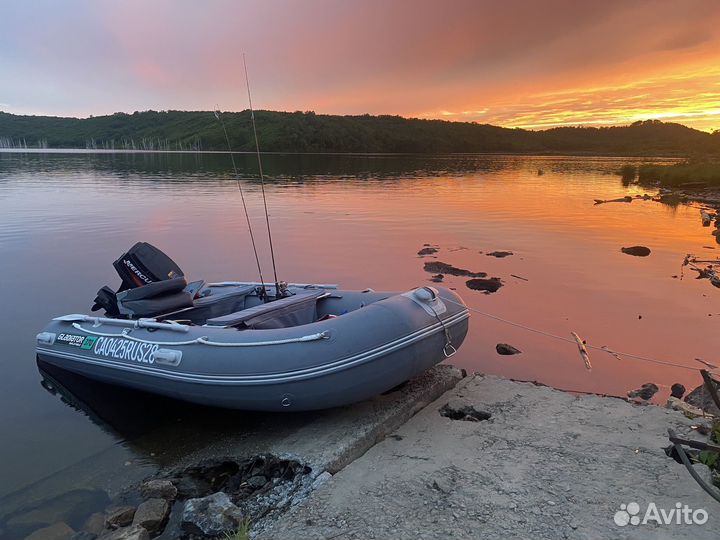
{"points": [[138, 417], [146, 423], [178, 166], [121, 412], [354, 220]]}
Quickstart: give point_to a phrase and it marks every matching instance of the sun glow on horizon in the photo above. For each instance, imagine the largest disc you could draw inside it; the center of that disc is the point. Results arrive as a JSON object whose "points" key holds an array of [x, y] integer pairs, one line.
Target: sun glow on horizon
{"points": [[517, 63], [689, 97]]}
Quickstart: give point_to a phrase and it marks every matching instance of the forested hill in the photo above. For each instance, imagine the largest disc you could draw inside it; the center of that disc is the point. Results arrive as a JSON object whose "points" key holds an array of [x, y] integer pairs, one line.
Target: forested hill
{"points": [[310, 132]]}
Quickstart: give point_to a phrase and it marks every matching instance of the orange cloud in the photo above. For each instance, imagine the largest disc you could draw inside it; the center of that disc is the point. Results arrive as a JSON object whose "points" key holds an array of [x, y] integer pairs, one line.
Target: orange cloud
{"points": [[518, 63], [690, 96]]}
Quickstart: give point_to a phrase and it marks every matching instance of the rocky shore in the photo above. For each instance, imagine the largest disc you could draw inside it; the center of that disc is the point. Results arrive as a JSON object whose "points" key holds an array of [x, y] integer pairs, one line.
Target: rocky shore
{"points": [[447, 455]]}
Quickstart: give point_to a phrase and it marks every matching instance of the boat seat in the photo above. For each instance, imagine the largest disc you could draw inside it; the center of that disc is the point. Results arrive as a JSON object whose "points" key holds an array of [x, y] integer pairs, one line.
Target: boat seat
{"points": [[154, 298], [220, 302], [286, 312]]}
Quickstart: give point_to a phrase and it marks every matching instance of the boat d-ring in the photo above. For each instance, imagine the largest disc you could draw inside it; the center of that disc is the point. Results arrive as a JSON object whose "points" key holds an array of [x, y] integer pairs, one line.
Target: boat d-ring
{"points": [[286, 400], [449, 350]]}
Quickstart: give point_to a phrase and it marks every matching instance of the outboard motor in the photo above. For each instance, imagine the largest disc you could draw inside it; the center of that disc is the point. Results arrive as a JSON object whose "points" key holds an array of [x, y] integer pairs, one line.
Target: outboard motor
{"points": [[152, 284], [144, 264]]}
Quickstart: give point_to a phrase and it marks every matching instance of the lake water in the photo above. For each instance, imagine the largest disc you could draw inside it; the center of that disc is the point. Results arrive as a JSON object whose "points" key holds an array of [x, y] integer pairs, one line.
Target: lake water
{"points": [[356, 220]]}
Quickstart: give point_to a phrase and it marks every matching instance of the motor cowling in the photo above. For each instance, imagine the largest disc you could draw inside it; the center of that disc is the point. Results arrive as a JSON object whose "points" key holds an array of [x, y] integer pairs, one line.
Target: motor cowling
{"points": [[141, 266]]}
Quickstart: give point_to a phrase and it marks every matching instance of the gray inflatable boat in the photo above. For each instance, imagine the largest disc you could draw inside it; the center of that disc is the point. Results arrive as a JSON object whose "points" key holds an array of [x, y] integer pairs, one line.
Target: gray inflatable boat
{"points": [[243, 345]]}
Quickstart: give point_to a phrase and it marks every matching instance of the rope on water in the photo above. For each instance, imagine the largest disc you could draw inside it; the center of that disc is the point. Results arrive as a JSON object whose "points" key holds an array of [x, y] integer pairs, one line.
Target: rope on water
{"points": [[615, 353]]}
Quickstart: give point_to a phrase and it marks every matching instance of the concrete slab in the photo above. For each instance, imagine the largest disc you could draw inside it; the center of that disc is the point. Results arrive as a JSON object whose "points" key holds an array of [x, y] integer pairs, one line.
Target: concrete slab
{"points": [[329, 440], [547, 464]]}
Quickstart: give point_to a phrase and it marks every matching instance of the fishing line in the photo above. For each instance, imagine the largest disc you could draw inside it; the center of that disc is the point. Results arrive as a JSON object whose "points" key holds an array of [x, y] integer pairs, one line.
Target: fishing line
{"points": [[604, 349], [218, 115], [278, 292]]}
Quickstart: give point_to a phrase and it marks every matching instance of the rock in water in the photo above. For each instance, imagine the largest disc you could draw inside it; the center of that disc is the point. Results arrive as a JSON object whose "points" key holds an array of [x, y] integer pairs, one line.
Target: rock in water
{"points": [[506, 350], [84, 535], [136, 532], [69, 507], [700, 398], [152, 514], [120, 516], [95, 523], [211, 516], [636, 251], [488, 286], [159, 489], [499, 254], [646, 391], [427, 251], [438, 267], [677, 390], [59, 531]]}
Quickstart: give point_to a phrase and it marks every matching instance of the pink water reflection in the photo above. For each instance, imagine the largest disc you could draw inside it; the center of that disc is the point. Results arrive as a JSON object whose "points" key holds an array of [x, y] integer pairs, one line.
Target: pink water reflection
{"points": [[364, 230]]}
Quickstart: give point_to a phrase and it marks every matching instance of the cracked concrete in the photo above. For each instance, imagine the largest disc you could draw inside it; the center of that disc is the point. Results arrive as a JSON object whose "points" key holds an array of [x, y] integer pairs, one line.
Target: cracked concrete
{"points": [[546, 464]]}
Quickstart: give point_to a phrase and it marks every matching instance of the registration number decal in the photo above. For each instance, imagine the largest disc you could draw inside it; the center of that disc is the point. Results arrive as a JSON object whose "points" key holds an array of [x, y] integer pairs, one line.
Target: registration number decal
{"points": [[125, 349]]}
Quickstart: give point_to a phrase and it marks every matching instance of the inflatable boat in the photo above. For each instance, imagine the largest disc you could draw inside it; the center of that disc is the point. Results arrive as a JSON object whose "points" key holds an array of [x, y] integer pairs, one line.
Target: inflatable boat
{"points": [[253, 346]]}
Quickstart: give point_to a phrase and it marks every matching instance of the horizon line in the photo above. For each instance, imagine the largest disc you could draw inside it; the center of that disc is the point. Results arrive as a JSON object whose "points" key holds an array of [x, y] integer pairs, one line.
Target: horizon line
{"points": [[533, 128]]}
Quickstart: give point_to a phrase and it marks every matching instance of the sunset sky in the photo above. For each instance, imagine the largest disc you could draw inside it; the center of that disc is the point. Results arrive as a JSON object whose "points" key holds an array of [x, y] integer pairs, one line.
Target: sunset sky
{"points": [[512, 63]]}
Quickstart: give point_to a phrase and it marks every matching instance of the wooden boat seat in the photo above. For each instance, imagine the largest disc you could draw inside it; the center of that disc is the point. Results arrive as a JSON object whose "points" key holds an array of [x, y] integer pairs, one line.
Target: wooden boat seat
{"points": [[286, 312]]}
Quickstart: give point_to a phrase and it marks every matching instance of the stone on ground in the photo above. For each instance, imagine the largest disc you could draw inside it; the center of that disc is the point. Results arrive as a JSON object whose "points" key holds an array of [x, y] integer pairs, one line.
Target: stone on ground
{"points": [[152, 514], [211, 516], [159, 489]]}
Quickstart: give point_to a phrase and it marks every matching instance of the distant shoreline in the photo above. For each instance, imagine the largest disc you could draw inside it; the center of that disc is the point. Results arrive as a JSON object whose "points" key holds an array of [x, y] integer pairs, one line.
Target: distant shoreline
{"points": [[359, 154], [307, 132]]}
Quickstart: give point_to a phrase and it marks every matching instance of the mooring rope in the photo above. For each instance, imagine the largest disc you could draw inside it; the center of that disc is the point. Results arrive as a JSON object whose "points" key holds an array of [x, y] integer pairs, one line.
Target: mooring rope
{"points": [[617, 354]]}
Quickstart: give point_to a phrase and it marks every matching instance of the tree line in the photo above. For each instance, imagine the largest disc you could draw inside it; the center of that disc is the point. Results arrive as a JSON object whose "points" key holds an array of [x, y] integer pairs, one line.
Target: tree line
{"points": [[310, 132]]}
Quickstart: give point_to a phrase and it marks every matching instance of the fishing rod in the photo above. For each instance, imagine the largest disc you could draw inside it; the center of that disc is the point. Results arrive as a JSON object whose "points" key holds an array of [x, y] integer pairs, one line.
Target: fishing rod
{"points": [[278, 291], [263, 292]]}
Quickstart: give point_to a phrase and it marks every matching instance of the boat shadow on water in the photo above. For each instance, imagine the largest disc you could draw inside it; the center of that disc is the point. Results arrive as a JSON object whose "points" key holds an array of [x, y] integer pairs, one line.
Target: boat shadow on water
{"points": [[156, 432], [137, 418], [160, 433]]}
